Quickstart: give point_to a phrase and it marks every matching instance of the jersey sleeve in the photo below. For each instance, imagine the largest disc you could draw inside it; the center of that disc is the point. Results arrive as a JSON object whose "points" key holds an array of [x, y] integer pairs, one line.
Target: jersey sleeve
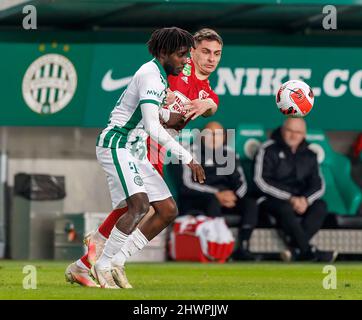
{"points": [[214, 97], [153, 127], [151, 88]]}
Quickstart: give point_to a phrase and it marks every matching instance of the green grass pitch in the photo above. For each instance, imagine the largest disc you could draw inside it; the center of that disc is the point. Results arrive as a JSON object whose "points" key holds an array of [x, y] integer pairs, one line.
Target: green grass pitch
{"points": [[190, 281]]}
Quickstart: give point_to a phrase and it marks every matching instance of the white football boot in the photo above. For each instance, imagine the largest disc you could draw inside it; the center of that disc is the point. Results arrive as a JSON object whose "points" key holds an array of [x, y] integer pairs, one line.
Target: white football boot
{"points": [[95, 243], [76, 274], [104, 277], [119, 276]]}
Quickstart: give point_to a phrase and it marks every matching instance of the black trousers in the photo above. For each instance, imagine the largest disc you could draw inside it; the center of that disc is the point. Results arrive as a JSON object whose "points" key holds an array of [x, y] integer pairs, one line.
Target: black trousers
{"points": [[208, 205], [299, 228]]}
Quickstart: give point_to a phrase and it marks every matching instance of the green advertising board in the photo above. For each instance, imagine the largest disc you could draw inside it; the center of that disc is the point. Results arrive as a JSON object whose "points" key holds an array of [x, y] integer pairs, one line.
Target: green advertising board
{"points": [[78, 84]]}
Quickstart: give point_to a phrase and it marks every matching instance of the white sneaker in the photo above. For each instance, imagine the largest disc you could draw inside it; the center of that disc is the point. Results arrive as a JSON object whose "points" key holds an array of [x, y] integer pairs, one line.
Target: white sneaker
{"points": [[120, 278], [79, 275], [104, 277], [95, 243]]}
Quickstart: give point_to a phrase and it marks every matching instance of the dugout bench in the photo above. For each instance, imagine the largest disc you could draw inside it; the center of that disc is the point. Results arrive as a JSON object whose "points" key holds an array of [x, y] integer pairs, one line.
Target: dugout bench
{"points": [[343, 228]]}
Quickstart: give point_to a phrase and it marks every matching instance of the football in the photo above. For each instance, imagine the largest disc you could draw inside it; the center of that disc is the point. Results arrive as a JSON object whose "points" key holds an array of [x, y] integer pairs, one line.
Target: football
{"points": [[295, 98]]}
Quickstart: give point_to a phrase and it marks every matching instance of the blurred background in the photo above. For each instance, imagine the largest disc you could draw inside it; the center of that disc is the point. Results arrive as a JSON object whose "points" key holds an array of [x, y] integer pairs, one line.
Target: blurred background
{"points": [[60, 81]]}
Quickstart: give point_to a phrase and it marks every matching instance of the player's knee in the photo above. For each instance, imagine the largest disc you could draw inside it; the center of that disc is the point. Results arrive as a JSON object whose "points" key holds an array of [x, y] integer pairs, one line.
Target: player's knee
{"points": [[142, 208], [172, 211], [138, 206], [139, 211]]}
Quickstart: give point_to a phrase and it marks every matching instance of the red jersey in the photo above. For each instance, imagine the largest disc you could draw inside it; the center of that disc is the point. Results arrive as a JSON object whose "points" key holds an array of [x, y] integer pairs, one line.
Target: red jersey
{"points": [[187, 87]]}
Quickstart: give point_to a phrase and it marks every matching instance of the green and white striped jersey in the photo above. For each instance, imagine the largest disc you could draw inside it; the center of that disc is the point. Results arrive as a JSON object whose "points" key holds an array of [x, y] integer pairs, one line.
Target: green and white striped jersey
{"points": [[125, 127]]}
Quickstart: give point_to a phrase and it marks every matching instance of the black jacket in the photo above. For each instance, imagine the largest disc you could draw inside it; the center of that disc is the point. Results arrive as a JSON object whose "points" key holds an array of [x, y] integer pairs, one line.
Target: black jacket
{"points": [[281, 174], [234, 180]]}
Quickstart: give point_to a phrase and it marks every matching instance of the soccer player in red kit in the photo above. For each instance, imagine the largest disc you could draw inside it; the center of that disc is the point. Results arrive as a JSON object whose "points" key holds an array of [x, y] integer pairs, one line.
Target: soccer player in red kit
{"points": [[191, 96], [191, 88]]}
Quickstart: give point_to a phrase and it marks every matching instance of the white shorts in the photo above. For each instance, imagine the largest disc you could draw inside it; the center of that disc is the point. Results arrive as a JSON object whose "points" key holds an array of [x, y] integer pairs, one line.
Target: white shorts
{"points": [[127, 175]]}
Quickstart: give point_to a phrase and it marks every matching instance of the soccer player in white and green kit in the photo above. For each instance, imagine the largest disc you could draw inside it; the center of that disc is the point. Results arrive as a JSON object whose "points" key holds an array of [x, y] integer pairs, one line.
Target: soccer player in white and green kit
{"points": [[121, 151]]}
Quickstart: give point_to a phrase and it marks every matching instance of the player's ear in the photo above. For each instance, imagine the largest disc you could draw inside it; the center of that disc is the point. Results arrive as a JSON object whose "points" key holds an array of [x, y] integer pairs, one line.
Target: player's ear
{"points": [[192, 52], [163, 54]]}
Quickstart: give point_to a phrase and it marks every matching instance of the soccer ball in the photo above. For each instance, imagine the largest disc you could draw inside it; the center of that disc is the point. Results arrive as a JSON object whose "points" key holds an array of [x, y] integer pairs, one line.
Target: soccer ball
{"points": [[295, 98]]}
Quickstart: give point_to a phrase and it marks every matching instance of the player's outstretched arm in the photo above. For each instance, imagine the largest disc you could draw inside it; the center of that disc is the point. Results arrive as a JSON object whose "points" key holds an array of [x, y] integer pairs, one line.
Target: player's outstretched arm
{"points": [[200, 107], [176, 121], [150, 116], [198, 173]]}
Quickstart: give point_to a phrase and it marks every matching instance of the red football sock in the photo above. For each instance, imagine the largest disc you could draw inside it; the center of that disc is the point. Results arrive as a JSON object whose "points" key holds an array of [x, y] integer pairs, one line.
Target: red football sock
{"points": [[106, 227], [84, 259]]}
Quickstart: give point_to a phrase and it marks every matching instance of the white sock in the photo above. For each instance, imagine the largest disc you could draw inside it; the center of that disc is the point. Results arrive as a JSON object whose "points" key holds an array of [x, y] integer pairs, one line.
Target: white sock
{"points": [[114, 243], [80, 264], [101, 235], [135, 242]]}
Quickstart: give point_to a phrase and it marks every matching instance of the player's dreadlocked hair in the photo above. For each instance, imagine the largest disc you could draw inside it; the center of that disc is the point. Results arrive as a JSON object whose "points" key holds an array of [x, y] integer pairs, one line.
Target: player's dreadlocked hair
{"points": [[169, 40]]}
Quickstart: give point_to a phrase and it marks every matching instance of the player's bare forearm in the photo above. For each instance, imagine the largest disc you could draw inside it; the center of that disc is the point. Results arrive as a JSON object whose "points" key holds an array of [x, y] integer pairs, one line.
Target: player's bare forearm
{"points": [[212, 108], [198, 107]]}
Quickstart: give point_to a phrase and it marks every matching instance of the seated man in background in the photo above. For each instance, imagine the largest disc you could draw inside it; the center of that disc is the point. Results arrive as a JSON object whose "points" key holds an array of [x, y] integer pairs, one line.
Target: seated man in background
{"points": [[220, 194], [287, 172]]}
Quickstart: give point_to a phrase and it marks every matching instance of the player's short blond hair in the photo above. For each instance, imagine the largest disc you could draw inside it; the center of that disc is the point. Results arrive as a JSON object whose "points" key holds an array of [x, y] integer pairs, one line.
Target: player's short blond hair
{"points": [[207, 34]]}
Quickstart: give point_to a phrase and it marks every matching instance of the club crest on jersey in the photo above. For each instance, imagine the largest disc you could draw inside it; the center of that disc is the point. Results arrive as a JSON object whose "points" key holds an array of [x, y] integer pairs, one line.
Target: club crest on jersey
{"points": [[203, 94], [138, 181], [49, 84]]}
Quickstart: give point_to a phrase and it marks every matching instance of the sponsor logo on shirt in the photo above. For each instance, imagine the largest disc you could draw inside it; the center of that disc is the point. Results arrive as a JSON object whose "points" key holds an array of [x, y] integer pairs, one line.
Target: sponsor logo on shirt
{"points": [[154, 93], [187, 70], [178, 106]]}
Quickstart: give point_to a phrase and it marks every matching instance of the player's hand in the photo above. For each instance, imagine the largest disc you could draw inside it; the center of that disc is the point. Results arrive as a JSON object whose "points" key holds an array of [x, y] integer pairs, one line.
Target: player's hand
{"points": [[176, 121], [197, 107], [198, 173], [170, 97]]}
